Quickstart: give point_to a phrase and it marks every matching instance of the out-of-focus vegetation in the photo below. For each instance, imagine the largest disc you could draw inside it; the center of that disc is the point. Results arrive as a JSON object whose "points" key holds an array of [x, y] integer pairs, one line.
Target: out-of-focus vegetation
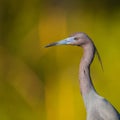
{"points": [[42, 84]]}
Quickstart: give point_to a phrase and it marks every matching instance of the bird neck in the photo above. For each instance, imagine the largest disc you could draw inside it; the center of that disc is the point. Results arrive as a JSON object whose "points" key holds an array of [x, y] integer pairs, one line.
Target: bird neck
{"points": [[86, 84]]}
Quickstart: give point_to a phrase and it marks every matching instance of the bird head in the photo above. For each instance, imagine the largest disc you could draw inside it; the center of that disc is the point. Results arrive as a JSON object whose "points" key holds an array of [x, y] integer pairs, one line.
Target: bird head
{"points": [[77, 39]]}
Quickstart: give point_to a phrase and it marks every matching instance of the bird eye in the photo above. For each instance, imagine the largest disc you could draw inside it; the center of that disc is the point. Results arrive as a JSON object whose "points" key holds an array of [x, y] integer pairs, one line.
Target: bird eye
{"points": [[76, 38]]}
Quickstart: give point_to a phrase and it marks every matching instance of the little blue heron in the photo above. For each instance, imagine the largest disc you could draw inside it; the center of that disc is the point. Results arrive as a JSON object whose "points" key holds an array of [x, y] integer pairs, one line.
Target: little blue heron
{"points": [[97, 107]]}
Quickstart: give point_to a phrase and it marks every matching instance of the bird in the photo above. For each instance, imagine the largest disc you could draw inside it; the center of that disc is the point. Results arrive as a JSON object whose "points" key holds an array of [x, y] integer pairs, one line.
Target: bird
{"points": [[97, 107]]}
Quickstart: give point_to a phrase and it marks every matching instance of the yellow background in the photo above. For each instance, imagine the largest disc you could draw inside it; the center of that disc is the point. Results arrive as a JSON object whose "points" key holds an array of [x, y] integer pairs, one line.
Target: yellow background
{"points": [[38, 83]]}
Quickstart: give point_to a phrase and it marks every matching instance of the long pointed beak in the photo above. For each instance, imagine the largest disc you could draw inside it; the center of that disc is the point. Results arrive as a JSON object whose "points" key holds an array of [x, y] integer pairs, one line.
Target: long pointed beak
{"points": [[62, 42]]}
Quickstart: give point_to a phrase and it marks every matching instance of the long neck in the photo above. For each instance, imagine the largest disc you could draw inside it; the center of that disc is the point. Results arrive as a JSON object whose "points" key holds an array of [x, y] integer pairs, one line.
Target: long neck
{"points": [[84, 73]]}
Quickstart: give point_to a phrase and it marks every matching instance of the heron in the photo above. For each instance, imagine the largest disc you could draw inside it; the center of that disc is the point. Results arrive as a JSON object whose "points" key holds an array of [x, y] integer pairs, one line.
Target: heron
{"points": [[97, 107]]}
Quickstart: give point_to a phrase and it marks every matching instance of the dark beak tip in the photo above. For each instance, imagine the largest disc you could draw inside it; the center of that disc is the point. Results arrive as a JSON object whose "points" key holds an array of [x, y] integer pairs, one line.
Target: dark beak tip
{"points": [[46, 46], [50, 45]]}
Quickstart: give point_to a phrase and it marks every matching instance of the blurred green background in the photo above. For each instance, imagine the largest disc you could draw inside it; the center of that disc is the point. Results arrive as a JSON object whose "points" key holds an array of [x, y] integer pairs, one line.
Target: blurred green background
{"points": [[42, 84]]}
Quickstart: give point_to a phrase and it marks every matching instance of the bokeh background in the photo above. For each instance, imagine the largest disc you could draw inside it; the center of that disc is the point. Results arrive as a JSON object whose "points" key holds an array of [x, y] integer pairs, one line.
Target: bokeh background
{"points": [[42, 84]]}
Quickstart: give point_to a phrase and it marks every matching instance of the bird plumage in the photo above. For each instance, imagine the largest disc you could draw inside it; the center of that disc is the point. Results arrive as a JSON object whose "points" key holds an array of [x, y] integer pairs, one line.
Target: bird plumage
{"points": [[97, 107]]}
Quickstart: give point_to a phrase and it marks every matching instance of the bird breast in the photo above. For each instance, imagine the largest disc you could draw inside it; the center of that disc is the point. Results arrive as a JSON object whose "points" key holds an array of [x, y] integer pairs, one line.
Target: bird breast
{"points": [[101, 109]]}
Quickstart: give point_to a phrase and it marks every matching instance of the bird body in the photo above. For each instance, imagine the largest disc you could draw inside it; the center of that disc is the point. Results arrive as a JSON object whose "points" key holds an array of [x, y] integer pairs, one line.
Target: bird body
{"points": [[97, 107]]}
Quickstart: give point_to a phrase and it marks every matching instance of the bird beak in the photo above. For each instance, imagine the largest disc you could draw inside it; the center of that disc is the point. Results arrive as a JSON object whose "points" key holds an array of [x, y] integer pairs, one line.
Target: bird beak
{"points": [[66, 41]]}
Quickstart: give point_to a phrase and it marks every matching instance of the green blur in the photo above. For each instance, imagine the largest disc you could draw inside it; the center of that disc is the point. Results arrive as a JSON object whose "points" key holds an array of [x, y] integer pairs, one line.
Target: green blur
{"points": [[38, 83]]}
